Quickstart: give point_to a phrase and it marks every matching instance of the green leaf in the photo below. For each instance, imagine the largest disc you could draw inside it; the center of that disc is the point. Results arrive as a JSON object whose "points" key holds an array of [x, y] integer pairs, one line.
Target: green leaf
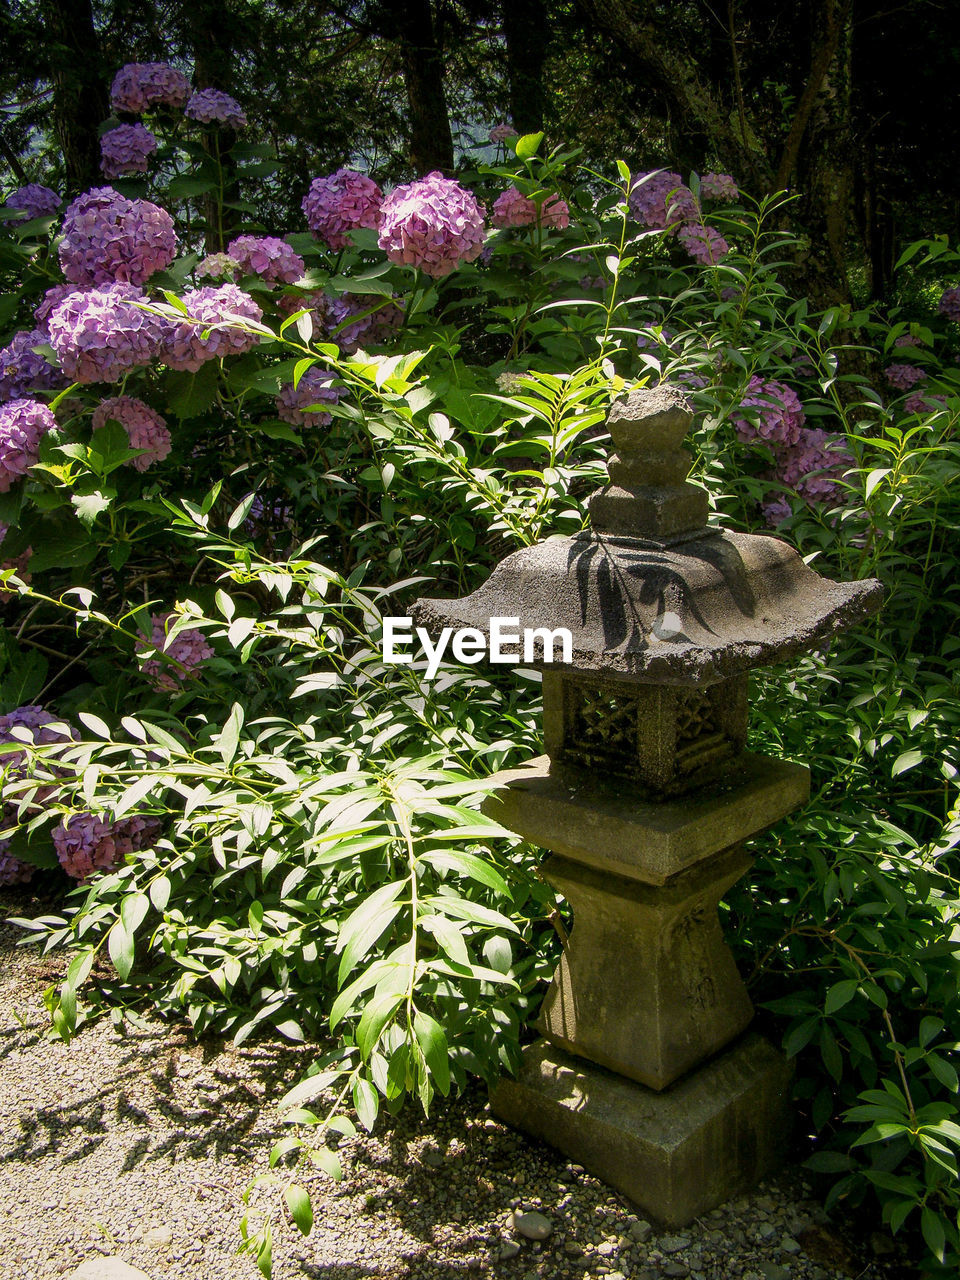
{"points": [[228, 740], [364, 926], [301, 1210], [433, 1045], [89, 505], [906, 760], [309, 1089], [468, 864], [375, 1017], [840, 994], [120, 945], [366, 1100], [133, 911], [932, 1229], [528, 145]]}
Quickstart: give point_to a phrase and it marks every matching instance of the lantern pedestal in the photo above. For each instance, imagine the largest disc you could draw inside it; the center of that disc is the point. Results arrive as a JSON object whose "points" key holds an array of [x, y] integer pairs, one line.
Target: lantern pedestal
{"points": [[676, 1154]]}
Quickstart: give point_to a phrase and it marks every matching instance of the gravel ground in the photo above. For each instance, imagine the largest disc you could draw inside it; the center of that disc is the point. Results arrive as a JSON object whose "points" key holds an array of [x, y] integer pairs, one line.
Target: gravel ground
{"points": [[139, 1147]]}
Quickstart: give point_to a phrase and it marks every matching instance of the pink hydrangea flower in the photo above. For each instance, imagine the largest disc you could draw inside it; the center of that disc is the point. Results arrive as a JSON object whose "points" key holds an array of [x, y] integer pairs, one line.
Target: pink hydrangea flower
{"points": [[501, 132], [704, 244], [212, 106], [779, 414], [99, 334], [294, 403], [814, 464], [23, 369], [362, 319], [718, 186], [34, 200], [126, 149], [513, 209], [433, 223], [266, 256], [85, 843], [341, 202], [904, 376], [183, 654], [949, 304], [42, 729], [660, 199], [108, 239], [144, 427], [23, 424], [213, 327], [140, 85]]}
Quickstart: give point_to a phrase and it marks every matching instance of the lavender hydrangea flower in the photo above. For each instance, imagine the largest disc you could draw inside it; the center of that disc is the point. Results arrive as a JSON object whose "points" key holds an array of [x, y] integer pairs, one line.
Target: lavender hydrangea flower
{"points": [[921, 402], [660, 200], [107, 239], [341, 202], [183, 654], [704, 244], [513, 209], [12, 869], [501, 132], [126, 149], [212, 327], [50, 300], [362, 319], [211, 106], [909, 340], [23, 369], [23, 424], [85, 843], [718, 186], [904, 376], [99, 334], [775, 510], [814, 464], [144, 427], [779, 414], [433, 223], [34, 200], [315, 387], [140, 85], [266, 256], [949, 304]]}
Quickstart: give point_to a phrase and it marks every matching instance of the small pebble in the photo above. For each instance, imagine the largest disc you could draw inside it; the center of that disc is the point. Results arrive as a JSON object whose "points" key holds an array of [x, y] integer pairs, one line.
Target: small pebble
{"points": [[532, 1226]]}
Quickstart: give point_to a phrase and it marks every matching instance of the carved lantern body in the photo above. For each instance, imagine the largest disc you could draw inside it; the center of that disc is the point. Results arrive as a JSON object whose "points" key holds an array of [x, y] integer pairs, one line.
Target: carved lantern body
{"points": [[645, 798]]}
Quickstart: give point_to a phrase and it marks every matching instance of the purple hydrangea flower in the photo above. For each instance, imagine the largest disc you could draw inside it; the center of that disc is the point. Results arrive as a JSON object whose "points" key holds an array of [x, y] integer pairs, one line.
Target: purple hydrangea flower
{"points": [[433, 223], [211, 106], [949, 304], [315, 387], [99, 334], [23, 369], [23, 424], [909, 340], [718, 186], [183, 654], [107, 239], [660, 199], [144, 427], [814, 464], [140, 85], [361, 319], [921, 402], [779, 414], [775, 510], [34, 200], [513, 209], [42, 729], [214, 327], [86, 843], [12, 870], [126, 149], [51, 299], [266, 256], [904, 376], [704, 244], [339, 203], [501, 132]]}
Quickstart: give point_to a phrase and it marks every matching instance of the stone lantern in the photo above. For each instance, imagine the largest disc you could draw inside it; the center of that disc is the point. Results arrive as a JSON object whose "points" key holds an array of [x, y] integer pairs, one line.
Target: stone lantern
{"points": [[647, 1072]]}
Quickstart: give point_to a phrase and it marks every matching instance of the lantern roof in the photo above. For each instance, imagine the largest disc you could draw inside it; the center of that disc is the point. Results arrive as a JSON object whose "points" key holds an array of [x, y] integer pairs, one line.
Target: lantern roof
{"points": [[650, 593]]}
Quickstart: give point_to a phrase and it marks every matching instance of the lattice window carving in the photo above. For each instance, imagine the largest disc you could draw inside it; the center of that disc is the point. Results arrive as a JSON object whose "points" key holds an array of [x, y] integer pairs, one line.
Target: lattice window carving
{"points": [[604, 725]]}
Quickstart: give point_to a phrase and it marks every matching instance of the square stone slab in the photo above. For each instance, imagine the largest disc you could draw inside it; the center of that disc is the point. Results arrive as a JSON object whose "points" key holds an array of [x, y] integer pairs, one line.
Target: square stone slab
{"points": [[676, 1154], [606, 826]]}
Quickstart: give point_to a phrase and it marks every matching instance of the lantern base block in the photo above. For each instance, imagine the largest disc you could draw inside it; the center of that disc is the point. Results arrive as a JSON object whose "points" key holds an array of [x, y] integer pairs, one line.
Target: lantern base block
{"points": [[676, 1154]]}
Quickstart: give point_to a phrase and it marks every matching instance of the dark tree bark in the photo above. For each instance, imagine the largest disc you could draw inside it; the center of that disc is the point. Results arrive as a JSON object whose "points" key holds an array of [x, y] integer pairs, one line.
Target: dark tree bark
{"points": [[525, 31], [80, 99], [421, 52]]}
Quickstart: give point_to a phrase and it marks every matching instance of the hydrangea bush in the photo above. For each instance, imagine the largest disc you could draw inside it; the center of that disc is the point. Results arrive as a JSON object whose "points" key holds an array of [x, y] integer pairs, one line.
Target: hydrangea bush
{"points": [[406, 386]]}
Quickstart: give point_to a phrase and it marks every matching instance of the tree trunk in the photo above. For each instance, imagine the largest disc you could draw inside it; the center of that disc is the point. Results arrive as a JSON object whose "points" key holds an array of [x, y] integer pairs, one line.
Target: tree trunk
{"points": [[431, 143], [212, 50], [80, 99], [525, 31]]}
